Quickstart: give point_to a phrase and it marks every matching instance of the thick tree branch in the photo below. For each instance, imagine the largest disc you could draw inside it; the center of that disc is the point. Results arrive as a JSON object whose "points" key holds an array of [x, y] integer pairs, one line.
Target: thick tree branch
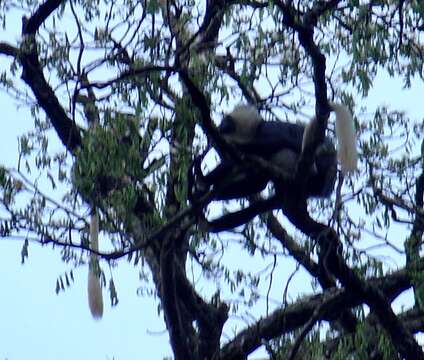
{"points": [[210, 317], [413, 320], [317, 315], [212, 22], [412, 245], [294, 316], [346, 319], [334, 263], [173, 316], [8, 50], [282, 321], [32, 74], [40, 15]]}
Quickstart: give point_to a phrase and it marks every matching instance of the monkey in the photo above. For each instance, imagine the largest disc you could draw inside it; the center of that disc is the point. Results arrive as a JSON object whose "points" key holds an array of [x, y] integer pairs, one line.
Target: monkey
{"points": [[95, 299], [245, 129], [280, 143]]}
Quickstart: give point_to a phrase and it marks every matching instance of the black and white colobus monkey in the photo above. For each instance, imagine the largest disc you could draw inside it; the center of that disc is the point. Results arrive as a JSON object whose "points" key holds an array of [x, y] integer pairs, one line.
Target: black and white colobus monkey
{"points": [[281, 143]]}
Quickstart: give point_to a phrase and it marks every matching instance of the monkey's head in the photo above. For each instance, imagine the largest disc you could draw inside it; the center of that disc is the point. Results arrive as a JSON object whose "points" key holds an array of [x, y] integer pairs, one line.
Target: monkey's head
{"points": [[240, 125]]}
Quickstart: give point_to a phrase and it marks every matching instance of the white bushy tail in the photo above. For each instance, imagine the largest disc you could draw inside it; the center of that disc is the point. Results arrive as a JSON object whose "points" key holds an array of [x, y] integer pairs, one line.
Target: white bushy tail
{"points": [[95, 299], [346, 138]]}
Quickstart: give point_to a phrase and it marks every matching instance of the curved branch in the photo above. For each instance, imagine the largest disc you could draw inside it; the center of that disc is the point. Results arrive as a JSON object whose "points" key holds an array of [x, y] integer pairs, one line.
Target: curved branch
{"points": [[283, 321], [133, 72], [32, 24], [8, 49], [170, 301], [346, 319], [32, 74], [333, 262]]}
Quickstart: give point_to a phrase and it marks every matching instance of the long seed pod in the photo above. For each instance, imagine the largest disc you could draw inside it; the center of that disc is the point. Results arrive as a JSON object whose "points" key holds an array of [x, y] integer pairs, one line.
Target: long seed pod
{"points": [[95, 299]]}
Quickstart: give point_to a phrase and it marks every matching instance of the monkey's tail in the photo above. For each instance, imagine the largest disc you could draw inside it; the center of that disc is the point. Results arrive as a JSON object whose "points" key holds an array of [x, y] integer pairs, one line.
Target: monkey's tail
{"points": [[346, 138], [95, 299]]}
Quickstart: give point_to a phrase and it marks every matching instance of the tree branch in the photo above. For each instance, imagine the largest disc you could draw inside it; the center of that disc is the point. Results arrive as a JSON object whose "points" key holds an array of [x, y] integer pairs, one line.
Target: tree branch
{"points": [[8, 49], [32, 74], [179, 341], [32, 24], [283, 321], [346, 319]]}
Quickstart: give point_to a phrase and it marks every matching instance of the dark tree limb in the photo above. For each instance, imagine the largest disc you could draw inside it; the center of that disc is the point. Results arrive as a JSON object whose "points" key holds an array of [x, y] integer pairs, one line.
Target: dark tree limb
{"points": [[212, 22], [210, 317], [294, 316], [202, 104], [333, 262], [280, 322], [414, 242], [173, 317], [413, 320], [32, 24], [317, 315], [346, 319], [9, 50], [32, 74]]}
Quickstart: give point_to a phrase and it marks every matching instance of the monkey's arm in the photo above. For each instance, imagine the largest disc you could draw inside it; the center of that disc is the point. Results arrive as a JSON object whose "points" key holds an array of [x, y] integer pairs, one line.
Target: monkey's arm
{"points": [[240, 217]]}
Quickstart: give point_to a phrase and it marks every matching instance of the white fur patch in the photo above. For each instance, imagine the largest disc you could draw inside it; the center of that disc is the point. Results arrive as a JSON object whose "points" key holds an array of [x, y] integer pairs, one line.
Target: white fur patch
{"points": [[246, 112], [346, 138], [246, 119]]}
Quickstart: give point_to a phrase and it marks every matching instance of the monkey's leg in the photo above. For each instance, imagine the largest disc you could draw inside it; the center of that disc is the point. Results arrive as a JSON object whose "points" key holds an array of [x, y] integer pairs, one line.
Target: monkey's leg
{"points": [[240, 182], [322, 179], [232, 220]]}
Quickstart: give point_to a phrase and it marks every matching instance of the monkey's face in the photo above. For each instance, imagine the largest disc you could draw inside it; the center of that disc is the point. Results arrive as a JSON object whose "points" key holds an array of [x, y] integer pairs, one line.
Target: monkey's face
{"points": [[239, 127]]}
